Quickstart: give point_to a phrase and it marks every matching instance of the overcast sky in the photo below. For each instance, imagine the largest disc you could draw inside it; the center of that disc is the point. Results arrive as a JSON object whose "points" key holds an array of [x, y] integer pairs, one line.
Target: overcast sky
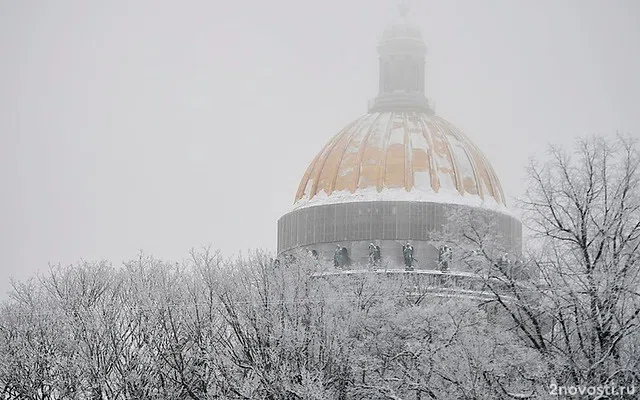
{"points": [[166, 125]]}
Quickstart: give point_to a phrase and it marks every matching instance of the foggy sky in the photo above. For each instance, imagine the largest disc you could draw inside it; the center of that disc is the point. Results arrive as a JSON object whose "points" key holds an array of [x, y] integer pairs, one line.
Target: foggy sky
{"points": [[166, 125]]}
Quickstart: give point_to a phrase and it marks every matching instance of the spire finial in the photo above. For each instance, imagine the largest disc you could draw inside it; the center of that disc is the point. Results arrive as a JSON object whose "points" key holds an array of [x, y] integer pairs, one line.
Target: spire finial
{"points": [[404, 8]]}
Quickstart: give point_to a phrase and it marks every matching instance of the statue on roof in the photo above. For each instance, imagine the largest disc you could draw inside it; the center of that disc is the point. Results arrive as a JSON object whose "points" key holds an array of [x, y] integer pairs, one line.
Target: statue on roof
{"points": [[407, 253], [374, 255], [341, 257], [345, 257], [445, 255]]}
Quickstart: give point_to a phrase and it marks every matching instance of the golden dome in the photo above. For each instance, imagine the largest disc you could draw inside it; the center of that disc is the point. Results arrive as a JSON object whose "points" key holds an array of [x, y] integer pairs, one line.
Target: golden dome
{"points": [[400, 155]]}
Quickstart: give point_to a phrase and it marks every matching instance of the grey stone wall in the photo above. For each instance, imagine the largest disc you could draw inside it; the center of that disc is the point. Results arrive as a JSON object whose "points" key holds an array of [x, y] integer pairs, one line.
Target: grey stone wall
{"points": [[386, 223]]}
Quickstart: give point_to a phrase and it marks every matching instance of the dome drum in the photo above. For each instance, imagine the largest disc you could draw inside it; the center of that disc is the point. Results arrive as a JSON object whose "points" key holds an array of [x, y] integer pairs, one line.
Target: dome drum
{"points": [[388, 224]]}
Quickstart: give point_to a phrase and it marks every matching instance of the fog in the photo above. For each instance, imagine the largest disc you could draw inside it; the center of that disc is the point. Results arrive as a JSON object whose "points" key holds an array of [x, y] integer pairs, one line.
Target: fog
{"points": [[159, 126]]}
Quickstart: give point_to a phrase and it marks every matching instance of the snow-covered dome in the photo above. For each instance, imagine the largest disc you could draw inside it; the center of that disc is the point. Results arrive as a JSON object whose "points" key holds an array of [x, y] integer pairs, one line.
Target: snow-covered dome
{"points": [[396, 174], [400, 156]]}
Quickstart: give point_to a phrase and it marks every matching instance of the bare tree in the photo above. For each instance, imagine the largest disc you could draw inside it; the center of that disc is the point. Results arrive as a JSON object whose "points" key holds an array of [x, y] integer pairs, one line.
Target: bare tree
{"points": [[29, 347], [279, 340], [580, 306]]}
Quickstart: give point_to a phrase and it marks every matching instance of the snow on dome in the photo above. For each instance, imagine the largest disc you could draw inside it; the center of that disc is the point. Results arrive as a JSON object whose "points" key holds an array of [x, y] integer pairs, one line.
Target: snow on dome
{"points": [[401, 156]]}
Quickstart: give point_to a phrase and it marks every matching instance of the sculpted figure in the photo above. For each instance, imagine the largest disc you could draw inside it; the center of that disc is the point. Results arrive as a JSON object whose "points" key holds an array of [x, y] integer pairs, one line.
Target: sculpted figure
{"points": [[374, 254], [444, 258], [340, 257], [345, 257], [407, 252], [337, 257]]}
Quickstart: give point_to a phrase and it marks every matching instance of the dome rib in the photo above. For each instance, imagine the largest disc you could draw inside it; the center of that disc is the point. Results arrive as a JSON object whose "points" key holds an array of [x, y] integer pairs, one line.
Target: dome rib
{"points": [[326, 151], [491, 178], [362, 150], [471, 153], [349, 140], [474, 169], [382, 166], [435, 184], [388, 157], [453, 159], [408, 151], [305, 178], [440, 156]]}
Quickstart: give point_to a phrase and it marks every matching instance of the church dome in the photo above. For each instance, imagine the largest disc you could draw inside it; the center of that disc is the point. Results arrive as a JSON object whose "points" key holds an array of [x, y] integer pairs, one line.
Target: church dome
{"points": [[400, 156], [396, 175]]}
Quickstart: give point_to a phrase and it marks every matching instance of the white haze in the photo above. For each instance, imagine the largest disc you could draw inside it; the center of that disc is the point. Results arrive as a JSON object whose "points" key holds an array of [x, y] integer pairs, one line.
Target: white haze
{"points": [[165, 125]]}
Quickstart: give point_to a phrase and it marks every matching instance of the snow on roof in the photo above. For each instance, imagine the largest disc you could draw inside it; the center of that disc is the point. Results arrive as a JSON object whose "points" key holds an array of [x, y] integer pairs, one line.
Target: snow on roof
{"points": [[400, 194]]}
